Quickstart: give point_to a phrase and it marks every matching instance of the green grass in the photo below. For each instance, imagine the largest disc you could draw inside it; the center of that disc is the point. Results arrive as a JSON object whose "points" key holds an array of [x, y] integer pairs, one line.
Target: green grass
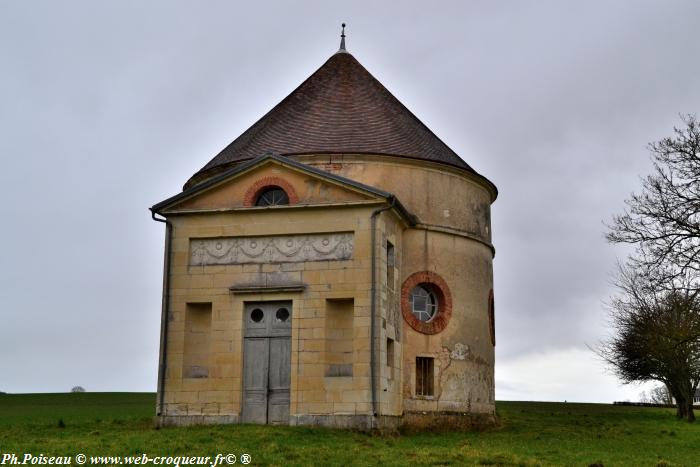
{"points": [[531, 433]]}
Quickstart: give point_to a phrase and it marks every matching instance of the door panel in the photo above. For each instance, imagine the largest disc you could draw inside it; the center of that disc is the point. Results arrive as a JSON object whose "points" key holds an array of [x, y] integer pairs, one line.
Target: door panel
{"points": [[257, 320], [267, 362], [256, 355], [278, 381], [280, 319]]}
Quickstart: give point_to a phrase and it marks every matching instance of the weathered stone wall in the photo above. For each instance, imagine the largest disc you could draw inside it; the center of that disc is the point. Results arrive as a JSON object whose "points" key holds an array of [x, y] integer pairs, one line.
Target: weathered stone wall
{"points": [[389, 321], [452, 240], [313, 392], [438, 194], [462, 352]]}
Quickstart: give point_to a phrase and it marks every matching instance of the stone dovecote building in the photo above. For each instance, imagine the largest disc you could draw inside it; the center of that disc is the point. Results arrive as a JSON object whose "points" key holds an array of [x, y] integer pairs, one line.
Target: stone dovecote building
{"points": [[331, 266]]}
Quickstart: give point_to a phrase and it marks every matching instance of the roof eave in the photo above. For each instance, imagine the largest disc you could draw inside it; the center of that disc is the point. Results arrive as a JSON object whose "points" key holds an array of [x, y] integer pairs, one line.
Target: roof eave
{"points": [[489, 185]]}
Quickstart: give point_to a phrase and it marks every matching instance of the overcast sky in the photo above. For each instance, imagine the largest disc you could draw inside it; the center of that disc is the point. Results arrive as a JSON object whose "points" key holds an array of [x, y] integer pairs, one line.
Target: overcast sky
{"points": [[108, 107]]}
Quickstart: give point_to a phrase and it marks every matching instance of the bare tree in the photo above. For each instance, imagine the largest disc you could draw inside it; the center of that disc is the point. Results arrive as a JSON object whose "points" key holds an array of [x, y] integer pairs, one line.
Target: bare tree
{"points": [[656, 335], [77, 389], [660, 395], [644, 397], [663, 221]]}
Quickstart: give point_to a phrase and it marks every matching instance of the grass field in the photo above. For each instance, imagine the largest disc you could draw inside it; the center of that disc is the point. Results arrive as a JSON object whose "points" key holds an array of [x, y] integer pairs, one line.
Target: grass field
{"points": [[531, 433]]}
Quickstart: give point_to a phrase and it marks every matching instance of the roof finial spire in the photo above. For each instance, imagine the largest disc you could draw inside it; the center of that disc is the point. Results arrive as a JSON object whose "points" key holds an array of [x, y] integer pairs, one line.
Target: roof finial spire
{"points": [[342, 40]]}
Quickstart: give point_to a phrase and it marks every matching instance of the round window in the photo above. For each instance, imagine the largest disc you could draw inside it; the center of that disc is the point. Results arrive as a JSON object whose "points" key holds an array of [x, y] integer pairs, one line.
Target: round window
{"points": [[282, 315], [424, 304], [257, 315], [272, 196]]}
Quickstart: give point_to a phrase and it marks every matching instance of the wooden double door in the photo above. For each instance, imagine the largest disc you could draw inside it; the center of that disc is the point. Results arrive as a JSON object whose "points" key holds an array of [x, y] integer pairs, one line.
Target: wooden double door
{"points": [[267, 362]]}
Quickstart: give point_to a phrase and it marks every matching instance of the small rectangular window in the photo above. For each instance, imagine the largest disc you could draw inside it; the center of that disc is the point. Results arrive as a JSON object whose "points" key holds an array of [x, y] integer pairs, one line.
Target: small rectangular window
{"points": [[390, 265], [390, 357], [424, 376]]}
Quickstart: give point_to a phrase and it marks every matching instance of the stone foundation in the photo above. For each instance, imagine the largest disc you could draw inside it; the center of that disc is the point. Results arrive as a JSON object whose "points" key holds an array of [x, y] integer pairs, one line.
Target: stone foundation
{"points": [[410, 421], [190, 420]]}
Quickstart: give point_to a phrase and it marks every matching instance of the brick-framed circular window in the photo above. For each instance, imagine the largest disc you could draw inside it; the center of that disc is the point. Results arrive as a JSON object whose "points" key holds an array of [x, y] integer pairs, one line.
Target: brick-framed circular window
{"points": [[426, 302], [270, 191]]}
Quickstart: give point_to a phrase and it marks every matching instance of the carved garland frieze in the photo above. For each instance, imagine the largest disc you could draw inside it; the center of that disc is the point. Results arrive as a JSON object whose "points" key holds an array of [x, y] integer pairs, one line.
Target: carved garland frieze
{"points": [[273, 249]]}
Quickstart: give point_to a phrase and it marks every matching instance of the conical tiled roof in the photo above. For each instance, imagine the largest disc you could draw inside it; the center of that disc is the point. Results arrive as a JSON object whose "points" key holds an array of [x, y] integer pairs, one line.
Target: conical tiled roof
{"points": [[341, 108]]}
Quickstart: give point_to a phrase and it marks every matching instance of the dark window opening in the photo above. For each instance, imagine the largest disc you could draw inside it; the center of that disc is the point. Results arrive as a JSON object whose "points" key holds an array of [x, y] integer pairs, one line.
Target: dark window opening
{"points": [[492, 318], [390, 265], [272, 196], [390, 357], [424, 376], [282, 315], [257, 315]]}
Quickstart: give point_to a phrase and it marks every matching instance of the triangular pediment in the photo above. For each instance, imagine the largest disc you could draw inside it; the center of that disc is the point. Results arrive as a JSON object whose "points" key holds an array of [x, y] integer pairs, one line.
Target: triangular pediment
{"points": [[240, 188]]}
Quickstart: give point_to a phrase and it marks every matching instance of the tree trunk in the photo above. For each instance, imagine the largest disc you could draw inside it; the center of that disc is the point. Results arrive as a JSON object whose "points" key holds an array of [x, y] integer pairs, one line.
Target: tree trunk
{"points": [[684, 399], [689, 414], [681, 407], [688, 391], [679, 400]]}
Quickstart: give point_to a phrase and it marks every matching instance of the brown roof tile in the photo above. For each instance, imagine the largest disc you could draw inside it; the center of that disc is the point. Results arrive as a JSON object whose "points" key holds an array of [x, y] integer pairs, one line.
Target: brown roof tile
{"points": [[341, 108]]}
